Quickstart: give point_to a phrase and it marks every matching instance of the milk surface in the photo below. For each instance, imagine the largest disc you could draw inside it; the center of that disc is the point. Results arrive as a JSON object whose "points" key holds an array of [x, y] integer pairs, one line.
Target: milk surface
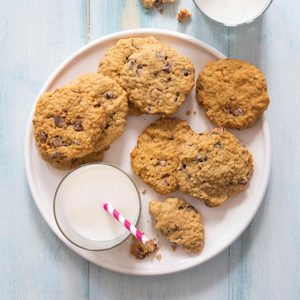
{"points": [[82, 194], [232, 11]]}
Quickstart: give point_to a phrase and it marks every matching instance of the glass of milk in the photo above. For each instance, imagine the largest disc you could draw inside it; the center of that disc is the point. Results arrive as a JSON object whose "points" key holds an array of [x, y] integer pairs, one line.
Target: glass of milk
{"points": [[233, 12], [78, 205]]}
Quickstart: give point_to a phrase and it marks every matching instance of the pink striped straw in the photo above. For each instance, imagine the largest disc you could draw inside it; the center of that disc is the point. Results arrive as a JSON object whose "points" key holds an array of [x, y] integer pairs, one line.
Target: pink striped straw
{"points": [[127, 224]]}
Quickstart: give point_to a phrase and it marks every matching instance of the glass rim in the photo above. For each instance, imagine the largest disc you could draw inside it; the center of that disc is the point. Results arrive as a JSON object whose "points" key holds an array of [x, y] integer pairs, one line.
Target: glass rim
{"points": [[72, 171], [236, 24]]}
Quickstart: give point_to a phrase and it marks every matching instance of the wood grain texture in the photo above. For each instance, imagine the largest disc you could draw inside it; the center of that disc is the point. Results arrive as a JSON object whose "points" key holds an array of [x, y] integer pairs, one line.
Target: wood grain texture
{"points": [[35, 36]]}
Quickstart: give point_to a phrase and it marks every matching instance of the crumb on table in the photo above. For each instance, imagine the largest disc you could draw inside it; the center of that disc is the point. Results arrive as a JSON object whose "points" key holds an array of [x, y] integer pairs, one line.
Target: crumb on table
{"points": [[194, 112], [174, 247], [183, 15], [140, 250], [144, 191], [188, 112]]}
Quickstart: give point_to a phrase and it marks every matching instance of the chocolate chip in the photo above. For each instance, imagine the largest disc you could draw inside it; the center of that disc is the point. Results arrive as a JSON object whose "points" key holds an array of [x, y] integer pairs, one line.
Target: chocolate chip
{"points": [[186, 73], [108, 95], [56, 155], [172, 229], [78, 126], [191, 207], [57, 142], [165, 180], [242, 181], [237, 112], [157, 3], [167, 68], [131, 63], [201, 158], [43, 136], [139, 70], [161, 55], [148, 108], [59, 121], [218, 145], [171, 138]]}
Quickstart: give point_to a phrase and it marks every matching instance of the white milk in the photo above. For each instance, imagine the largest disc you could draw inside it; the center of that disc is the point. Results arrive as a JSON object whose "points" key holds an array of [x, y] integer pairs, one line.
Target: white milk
{"points": [[232, 12], [79, 205]]}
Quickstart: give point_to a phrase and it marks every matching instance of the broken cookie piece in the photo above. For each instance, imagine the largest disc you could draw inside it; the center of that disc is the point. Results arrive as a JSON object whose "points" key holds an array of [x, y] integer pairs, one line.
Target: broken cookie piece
{"points": [[155, 3], [140, 250], [183, 15], [180, 222]]}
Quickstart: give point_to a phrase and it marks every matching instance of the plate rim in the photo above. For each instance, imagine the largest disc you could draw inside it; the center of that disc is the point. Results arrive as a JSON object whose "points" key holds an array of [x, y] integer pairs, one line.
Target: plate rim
{"points": [[29, 174]]}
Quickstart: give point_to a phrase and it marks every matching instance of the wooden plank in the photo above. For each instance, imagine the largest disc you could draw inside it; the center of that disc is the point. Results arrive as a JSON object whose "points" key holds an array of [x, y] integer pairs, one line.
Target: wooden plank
{"points": [[264, 263], [35, 37]]}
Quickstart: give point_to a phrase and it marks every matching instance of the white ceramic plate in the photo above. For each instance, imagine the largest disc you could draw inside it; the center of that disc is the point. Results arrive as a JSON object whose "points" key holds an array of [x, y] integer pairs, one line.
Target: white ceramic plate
{"points": [[222, 225]]}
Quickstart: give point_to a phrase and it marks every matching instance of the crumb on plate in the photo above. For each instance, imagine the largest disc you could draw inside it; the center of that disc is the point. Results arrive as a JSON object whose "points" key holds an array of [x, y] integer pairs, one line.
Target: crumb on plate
{"points": [[158, 257]]}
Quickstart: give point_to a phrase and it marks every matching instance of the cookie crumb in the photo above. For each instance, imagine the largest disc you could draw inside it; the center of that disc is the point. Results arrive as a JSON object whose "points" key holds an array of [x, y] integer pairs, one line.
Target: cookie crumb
{"points": [[148, 4], [144, 191], [183, 15], [194, 112], [188, 112], [158, 257], [161, 10], [140, 250], [174, 248]]}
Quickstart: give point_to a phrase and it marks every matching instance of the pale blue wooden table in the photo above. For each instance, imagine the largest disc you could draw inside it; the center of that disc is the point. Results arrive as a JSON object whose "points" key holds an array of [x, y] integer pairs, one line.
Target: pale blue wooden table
{"points": [[35, 36]]}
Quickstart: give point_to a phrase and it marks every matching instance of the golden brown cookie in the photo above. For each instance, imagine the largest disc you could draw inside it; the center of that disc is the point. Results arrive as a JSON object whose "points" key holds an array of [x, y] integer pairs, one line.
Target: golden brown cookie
{"points": [[115, 58], [232, 92], [106, 93], [157, 79], [180, 222], [213, 166], [150, 3], [67, 126], [140, 250], [155, 157]]}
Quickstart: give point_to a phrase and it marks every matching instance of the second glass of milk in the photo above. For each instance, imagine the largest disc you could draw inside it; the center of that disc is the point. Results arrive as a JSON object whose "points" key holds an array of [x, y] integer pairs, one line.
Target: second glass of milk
{"points": [[78, 205], [233, 12]]}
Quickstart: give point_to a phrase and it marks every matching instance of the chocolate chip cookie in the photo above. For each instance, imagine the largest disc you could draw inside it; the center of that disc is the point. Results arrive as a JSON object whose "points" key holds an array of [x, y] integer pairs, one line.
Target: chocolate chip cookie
{"points": [[180, 222], [67, 126], [157, 79], [140, 250], [117, 56], [232, 92], [155, 157], [106, 93], [213, 166]]}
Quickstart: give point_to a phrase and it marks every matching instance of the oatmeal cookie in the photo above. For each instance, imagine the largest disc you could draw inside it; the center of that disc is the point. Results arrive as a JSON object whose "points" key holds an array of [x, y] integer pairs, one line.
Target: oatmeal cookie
{"points": [[155, 157], [140, 250], [232, 92], [106, 93], [180, 222], [67, 126], [157, 79], [213, 166], [116, 57]]}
